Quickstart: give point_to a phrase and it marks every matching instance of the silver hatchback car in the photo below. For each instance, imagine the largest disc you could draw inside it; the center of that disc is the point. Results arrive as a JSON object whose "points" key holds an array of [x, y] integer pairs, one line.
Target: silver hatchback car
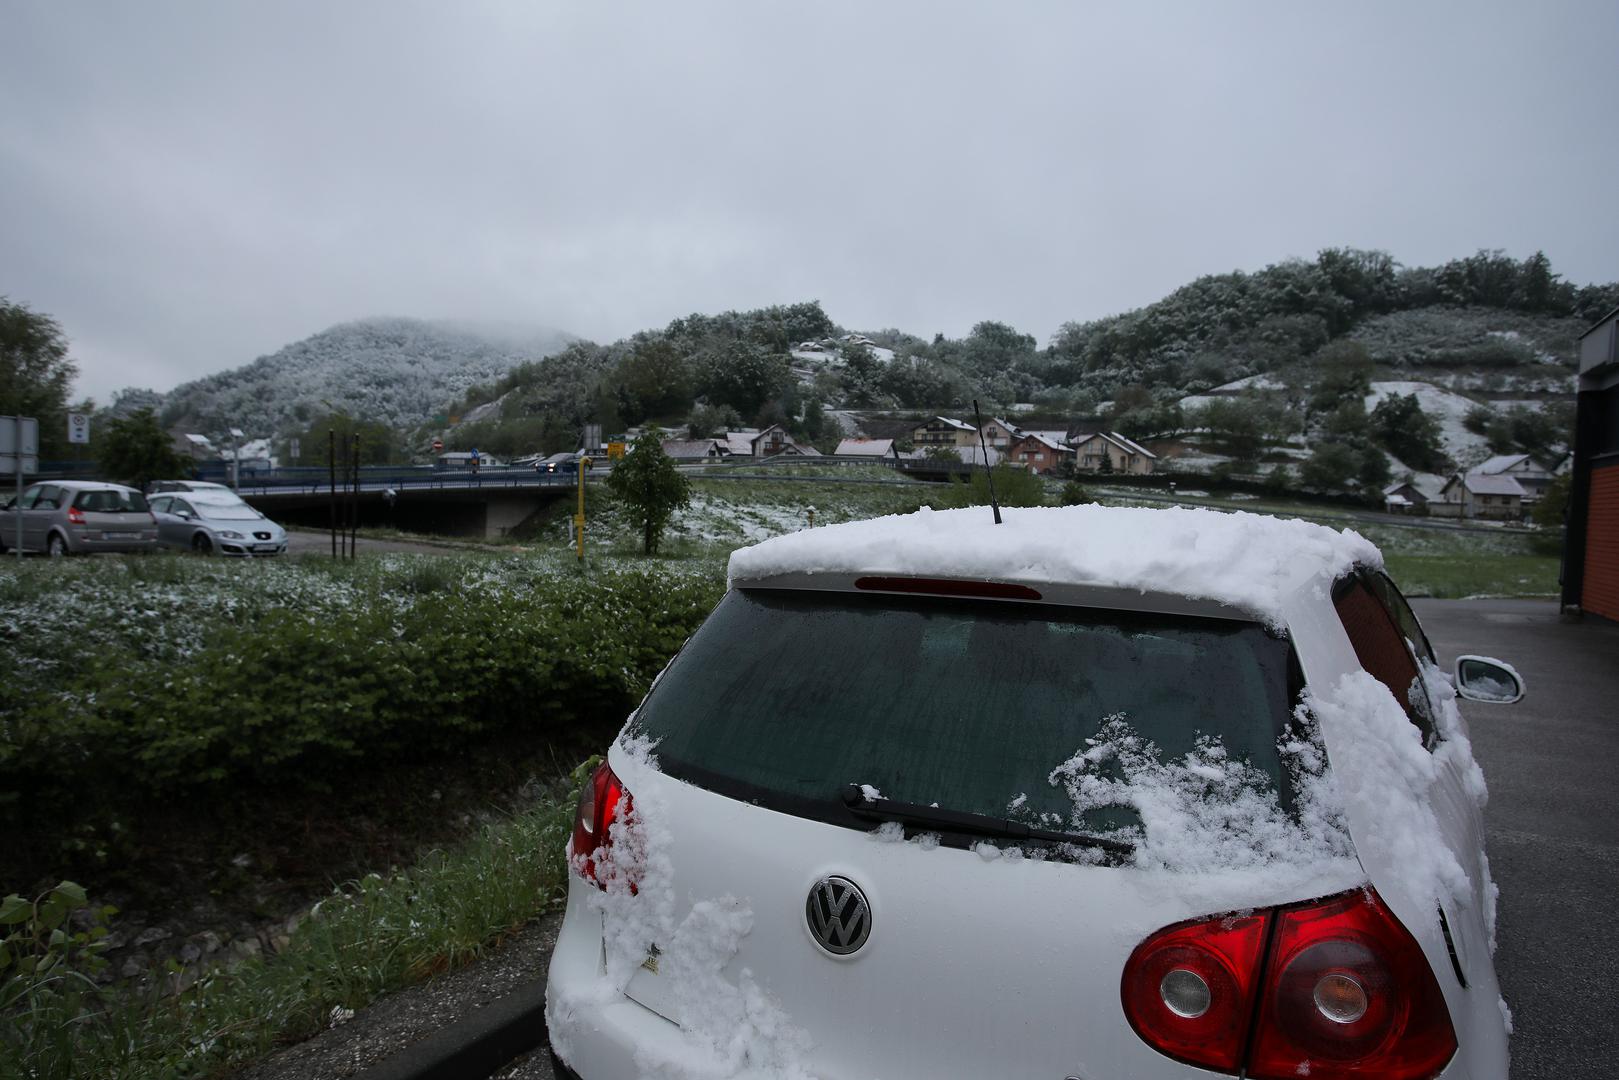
{"points": [[215, 522], [71, 517]]}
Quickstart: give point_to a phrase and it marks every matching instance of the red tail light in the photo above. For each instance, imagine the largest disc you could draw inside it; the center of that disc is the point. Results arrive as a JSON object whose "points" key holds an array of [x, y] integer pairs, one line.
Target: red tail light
{"points": [[75, 516], [1340, 988], [1189, 989], [599, 807], [1349, 991]]}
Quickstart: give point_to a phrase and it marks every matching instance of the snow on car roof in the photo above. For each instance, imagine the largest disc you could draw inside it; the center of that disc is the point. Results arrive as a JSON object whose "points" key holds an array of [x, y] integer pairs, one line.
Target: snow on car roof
{"points": [[1247, 561]]}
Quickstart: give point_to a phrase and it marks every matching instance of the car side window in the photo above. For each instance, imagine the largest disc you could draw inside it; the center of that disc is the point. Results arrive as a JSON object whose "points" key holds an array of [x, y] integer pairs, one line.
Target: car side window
{"points": [[1404, 617], [1381, 648], [28, 498], [50, 497], [159, 504], [180, 506]]}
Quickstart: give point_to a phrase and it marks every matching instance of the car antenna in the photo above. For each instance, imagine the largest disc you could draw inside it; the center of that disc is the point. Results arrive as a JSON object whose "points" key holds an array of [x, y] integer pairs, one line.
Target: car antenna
{"points": [[989, 477]]}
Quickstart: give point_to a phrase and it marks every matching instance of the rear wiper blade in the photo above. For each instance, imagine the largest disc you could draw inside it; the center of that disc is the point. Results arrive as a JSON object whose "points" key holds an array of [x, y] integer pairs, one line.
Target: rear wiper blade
{"points": [[960, 821]]}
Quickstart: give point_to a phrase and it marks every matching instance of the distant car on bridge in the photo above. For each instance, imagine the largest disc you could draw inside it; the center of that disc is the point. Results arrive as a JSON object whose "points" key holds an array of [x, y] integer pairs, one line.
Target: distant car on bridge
{"points": [[566, 462]]}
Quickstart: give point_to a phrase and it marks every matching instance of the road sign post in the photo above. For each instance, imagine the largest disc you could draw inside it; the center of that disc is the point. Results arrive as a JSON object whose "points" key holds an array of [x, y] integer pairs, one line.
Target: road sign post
{"points": [[78, 427], [579, 519], [19, 452]]}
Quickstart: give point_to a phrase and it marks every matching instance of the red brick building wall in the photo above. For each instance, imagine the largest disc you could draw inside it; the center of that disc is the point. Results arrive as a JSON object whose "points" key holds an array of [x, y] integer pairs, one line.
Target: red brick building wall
{"points": [[1601, 586]]}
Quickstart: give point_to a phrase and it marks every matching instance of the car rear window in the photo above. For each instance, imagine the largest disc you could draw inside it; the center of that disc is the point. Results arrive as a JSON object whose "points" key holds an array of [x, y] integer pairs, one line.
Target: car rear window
{"points": [[111, 502], [783, 697]]}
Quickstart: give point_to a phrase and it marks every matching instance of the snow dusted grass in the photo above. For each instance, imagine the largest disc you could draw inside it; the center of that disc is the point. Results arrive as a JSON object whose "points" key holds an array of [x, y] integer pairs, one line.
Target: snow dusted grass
{"points": [[368, 937]]}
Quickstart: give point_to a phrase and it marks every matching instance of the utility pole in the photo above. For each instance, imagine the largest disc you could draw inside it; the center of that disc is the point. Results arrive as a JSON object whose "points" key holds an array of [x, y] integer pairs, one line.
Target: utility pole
{"points": [[579, 518], [331, 466], [354, 492]]}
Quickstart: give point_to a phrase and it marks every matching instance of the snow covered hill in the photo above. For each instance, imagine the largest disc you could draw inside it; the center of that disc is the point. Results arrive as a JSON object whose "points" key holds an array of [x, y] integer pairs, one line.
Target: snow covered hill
{"points": [[399, 371]]}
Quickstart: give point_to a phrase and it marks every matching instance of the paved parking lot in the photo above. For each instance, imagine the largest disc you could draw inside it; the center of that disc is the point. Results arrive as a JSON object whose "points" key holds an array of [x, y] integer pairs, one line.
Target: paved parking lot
{"points": [[1552, 762]]}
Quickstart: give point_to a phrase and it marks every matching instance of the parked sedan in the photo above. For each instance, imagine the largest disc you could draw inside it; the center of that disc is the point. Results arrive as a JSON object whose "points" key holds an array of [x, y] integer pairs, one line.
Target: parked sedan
{"points": [[210, 522], [1095, 793], [71, 517]]}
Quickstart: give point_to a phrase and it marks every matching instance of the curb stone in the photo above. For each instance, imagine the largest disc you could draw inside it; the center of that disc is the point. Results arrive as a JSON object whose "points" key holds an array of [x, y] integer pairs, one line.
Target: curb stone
{"points": [[475, 1045]]}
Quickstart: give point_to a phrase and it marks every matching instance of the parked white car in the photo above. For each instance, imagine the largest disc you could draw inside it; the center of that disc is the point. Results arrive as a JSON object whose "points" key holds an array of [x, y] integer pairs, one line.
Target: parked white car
{"points": [[212, 522], [1096, 793]]}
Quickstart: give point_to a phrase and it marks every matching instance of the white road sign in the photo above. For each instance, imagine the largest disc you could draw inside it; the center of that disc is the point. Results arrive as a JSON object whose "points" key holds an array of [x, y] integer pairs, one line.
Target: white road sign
{"points": [[19, 433], [78, 427]]}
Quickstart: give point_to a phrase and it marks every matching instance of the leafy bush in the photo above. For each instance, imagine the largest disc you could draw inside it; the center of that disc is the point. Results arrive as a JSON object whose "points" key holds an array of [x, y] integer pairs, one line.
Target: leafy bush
{"points": [[116, 692]]}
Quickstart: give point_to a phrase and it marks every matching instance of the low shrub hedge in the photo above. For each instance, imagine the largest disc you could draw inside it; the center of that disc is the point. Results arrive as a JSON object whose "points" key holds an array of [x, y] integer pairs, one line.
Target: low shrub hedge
{"points": [[122, 683]]}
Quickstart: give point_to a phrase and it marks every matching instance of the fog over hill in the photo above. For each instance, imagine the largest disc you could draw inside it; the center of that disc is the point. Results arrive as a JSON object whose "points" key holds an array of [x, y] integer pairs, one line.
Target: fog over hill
{"points": [[394, 370]]}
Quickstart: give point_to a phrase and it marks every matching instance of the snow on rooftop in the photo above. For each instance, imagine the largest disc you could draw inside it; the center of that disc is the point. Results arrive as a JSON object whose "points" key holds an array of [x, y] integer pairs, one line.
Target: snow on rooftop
{"points": [[1486, 484], [1500, 463], [1248, 561]]}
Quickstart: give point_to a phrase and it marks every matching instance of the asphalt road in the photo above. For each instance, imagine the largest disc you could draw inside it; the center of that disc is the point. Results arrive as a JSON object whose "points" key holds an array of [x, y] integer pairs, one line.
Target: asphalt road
{"points": [[1551, 761]]}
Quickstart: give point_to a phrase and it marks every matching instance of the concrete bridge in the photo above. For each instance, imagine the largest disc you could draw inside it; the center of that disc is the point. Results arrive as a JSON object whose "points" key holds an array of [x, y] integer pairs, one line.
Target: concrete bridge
{"points": [[445, 503]]}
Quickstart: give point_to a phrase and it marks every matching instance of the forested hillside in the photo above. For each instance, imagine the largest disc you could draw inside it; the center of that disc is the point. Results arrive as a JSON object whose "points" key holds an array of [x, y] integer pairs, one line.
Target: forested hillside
{"points": [[398, 372], [1495, 332], [1393, 366]]}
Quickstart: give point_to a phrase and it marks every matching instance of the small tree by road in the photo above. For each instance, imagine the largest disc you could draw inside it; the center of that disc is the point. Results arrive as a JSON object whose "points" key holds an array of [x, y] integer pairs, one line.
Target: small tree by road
{"points": [[648, 483], [137, 451]]}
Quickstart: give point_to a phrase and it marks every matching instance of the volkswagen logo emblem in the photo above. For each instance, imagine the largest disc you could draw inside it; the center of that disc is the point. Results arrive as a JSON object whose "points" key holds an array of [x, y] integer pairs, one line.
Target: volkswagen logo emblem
{"points": [[838, 915]]}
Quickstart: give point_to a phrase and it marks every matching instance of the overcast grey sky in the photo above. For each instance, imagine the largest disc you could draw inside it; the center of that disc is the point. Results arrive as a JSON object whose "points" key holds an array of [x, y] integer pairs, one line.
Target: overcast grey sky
{"points": [[188, 186]]}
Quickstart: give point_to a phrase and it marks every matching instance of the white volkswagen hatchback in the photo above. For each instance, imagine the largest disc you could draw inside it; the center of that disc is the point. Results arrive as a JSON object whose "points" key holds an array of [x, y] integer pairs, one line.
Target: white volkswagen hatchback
{"points": [[1094, 793]]}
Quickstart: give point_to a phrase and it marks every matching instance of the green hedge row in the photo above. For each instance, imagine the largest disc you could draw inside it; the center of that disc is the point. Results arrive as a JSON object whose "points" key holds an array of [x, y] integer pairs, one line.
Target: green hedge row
{"points": [[410, 666]]}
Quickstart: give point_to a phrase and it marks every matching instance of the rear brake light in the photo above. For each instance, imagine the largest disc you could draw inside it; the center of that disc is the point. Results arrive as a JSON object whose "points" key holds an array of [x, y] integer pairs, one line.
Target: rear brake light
{"points": [[75, 516], [1189, 989], [1340, 988], [602, 802], [996, 590], [1349, 991]]}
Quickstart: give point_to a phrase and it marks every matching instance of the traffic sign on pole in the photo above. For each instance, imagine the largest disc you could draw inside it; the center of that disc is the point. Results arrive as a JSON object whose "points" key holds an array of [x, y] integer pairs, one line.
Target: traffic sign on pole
{"points": [[19, 444], [78, 427]]}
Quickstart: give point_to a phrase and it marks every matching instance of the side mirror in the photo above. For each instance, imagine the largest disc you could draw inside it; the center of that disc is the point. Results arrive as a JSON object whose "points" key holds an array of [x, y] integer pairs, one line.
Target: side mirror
{"points": [[1483, 678]]}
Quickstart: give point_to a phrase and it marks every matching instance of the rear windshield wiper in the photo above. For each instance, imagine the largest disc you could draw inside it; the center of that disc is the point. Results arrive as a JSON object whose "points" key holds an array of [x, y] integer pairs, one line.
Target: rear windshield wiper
{"points": [[959, 821]]}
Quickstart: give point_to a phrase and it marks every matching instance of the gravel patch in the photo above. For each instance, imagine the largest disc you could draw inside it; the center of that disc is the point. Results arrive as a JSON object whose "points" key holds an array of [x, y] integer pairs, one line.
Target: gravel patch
{"points": [[394, 1023]]}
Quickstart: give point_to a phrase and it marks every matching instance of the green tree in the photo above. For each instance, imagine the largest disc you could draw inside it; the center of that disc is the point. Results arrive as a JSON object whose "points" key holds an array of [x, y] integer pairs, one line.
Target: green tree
{"points": [[136, 450], [1014, 486], [1410, 434], [35, 373], [648, 483], [1344, 371], [1331, 468], [654, 380], [861, 375], [708, 421], [741, 375], [379, 443]]}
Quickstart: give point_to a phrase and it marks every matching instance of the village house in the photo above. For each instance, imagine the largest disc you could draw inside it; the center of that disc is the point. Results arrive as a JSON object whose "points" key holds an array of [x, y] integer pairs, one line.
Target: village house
{"points": [[754, 443], [695, 449], [875, 449], [1040, 452], [1404, 497], [943, 431], [1530, 474], [1481, 495], [1108, 451], [1000, 435]]}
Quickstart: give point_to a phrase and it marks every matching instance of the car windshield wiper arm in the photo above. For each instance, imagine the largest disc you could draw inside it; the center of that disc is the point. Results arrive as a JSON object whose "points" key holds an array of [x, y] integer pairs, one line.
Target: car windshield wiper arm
{"points": [[854, 797]]}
